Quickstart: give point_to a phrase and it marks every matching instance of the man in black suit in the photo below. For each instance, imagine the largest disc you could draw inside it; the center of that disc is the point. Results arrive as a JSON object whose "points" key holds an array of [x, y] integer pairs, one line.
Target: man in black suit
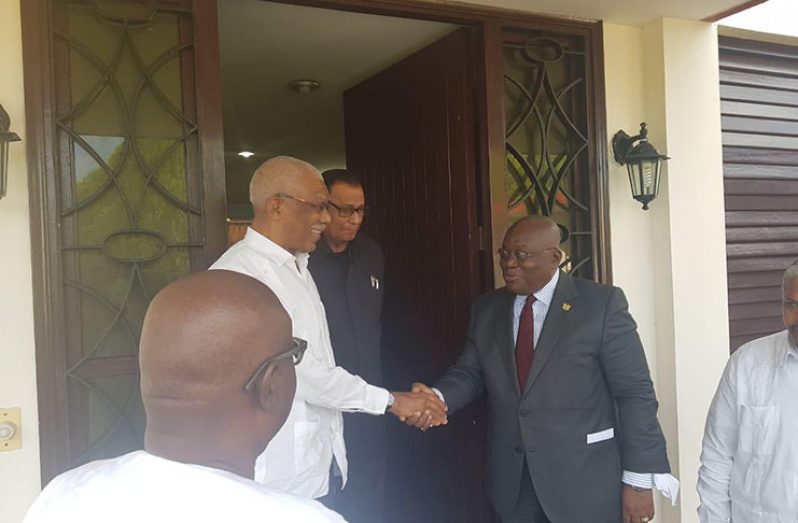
{"points": [[348, 269], [573, 432]]}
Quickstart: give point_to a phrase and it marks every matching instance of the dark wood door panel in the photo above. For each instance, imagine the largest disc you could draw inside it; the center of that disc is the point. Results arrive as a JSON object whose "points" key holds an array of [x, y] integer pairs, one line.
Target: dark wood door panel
{"points": [[732, 77], [759, 105], [755, 295], [410, 132], [761, 218], [754, 279]]}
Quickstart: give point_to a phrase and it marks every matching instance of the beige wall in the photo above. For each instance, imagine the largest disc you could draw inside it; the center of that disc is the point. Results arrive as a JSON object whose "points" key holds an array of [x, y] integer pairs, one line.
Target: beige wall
{"points": [[671, 259], [19, 469]]}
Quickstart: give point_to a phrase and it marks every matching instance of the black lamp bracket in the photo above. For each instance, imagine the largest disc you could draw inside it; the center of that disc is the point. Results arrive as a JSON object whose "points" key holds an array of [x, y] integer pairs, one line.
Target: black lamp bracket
{"points": [[622, 143]]}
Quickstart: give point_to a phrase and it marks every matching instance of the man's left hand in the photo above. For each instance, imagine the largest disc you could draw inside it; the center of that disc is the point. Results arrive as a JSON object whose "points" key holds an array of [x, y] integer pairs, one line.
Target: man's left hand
{"points": [[638, 505]]}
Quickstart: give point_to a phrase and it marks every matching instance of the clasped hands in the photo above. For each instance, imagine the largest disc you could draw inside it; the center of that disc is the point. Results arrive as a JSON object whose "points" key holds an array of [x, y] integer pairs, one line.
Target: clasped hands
{"points": [[420, 408]]}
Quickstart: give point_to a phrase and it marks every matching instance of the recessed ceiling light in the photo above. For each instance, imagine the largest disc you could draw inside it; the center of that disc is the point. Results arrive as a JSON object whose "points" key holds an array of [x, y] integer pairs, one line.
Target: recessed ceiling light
{"points": [[304, 86], [246, 154]]}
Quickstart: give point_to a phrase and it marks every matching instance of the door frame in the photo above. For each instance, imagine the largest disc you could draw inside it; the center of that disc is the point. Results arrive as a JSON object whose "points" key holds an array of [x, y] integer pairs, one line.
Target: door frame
{"points": [[489, 23], [47, 268], [38, 65]]}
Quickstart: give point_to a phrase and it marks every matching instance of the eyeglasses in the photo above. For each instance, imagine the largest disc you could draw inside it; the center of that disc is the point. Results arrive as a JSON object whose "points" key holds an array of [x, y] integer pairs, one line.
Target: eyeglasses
{"points": [[345, 211], [296, 352], [506, 254], [318, 207]]}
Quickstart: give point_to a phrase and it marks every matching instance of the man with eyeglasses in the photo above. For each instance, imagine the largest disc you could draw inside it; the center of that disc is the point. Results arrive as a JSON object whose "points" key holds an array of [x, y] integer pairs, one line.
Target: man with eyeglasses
{"points": [[573, 432], [291, 205], [217, 380], [749, 458], [348, 267]]}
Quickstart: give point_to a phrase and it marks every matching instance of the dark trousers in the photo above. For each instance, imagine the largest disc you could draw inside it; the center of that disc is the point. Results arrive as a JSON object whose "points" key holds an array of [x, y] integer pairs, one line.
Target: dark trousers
{"points": [[528, 509]]}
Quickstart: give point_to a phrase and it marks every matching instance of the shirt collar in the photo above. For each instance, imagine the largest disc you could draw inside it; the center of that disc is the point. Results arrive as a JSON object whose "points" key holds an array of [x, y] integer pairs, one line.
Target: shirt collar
{"points": [[274, 252], [546, 293], [790, 350]]}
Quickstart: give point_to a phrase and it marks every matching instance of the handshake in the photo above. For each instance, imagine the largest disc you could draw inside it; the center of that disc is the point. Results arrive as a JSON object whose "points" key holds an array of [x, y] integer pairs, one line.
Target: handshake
{"points": [[420, 408]]}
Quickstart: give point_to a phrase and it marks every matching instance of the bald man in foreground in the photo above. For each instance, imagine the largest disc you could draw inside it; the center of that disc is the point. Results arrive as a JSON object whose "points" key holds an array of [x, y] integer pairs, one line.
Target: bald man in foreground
{"points": [[214, 399], [573, 433], [290, 202]]}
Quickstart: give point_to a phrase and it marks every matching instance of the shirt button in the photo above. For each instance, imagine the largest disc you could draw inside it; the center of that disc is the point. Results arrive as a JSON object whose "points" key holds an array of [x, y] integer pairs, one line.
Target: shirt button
{"points": [[519, 450], [524, 413]]}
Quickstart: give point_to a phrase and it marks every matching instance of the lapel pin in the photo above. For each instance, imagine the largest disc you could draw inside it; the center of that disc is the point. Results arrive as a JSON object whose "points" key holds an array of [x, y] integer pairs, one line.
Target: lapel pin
{"points": [[566, 307]]}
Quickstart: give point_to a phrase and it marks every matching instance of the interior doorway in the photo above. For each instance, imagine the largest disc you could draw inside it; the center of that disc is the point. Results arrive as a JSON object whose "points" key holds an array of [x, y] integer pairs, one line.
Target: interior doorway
{"points": [[395, 100]]}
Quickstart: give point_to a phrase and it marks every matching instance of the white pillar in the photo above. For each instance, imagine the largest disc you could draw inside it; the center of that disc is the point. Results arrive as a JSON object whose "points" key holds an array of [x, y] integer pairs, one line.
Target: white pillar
{"points": [[671, 259], [19, 469]]}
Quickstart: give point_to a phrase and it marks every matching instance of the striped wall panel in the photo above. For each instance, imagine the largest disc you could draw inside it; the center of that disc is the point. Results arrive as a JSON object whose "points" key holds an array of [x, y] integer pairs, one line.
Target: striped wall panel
{"points": [[759, 106]]}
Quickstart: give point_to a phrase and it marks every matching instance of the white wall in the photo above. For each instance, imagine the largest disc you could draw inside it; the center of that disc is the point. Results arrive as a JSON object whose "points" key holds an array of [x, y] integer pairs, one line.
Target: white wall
{"points": [[631, 228], [671, 259], [19, 469]]}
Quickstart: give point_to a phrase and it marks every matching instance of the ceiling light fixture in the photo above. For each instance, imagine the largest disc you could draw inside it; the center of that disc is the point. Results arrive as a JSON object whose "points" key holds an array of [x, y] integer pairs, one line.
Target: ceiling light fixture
{"points": [[246, 154], [304, 86]]}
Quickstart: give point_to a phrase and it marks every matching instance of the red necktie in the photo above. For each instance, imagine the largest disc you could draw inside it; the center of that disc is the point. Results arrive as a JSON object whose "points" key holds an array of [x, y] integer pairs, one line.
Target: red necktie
{"points": [[525, 341]]}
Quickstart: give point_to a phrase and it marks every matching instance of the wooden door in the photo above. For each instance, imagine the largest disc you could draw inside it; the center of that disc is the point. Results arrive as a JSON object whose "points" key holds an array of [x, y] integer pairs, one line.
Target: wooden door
{"points": [[125, 155], [410, 132]]}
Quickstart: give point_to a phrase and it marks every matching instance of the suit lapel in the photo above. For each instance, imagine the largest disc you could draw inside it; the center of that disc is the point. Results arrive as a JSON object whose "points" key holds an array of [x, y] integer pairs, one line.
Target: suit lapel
{"points": [[504, 335], [556, 321]]}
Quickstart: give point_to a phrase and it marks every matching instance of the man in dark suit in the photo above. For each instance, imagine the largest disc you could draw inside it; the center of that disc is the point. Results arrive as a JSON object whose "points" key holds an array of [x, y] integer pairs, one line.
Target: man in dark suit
{"points": [[348, 269], [573, 432]]}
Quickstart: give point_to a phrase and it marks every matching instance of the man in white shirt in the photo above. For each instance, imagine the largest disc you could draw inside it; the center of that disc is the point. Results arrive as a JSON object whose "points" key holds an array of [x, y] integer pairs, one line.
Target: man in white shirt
{"points": [[290, 202], [214, 399], [749, 461]]}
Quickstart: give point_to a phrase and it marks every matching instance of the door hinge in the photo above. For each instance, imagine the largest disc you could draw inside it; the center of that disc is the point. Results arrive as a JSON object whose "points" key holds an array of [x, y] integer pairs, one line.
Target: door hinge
{"points": [[481, 238]]}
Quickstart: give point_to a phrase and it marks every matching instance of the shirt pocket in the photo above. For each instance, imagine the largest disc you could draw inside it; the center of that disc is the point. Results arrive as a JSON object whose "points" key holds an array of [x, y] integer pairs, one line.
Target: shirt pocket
{"points": [[758, 428]]}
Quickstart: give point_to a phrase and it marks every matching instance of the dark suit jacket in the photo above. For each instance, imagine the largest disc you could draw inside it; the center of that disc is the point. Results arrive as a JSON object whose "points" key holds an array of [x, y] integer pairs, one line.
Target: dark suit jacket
{"points": [[362, 304], [589, 374], [357, 311]]}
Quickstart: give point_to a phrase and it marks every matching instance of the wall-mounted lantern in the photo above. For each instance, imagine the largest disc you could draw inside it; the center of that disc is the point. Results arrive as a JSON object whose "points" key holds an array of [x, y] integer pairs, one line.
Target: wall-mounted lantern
{"points": [[6, 137], [642, 161]]}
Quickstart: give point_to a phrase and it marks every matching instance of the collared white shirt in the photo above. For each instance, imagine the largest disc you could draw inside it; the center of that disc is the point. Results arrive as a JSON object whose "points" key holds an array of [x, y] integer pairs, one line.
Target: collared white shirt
{"points": [[140, 487], [665, 483], [749, 460], [299, 457], [540, 307]]}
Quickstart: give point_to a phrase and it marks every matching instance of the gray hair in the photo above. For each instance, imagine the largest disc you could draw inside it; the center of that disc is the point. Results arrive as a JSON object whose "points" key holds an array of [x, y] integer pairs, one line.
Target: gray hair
{"points": [[276, 175], [790, 274]]}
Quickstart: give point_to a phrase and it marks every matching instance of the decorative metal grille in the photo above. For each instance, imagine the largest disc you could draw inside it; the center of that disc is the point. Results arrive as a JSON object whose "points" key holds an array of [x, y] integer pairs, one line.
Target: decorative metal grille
{"points": [[130, 198], [547, 139]]}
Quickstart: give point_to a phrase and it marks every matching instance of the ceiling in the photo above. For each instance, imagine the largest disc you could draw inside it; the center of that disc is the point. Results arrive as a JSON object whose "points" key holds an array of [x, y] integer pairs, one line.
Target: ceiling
{"points": [[266, 45], [627, 12]]}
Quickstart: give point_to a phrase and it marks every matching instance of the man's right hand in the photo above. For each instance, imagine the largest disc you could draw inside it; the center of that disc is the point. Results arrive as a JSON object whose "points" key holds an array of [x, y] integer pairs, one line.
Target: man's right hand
{"points": [[418, 421], [419, 408]]}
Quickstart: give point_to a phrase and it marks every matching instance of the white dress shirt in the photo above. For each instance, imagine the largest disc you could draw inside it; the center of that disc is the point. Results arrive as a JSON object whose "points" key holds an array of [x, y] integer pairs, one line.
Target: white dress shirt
{"points": [[299, 457], [140, 487], [749, 461]]}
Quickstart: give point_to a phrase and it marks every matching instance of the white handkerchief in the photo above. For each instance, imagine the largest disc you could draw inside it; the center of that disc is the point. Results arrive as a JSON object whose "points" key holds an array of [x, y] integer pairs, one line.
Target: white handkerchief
{"points": [[601, 436], [668, 486]]}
